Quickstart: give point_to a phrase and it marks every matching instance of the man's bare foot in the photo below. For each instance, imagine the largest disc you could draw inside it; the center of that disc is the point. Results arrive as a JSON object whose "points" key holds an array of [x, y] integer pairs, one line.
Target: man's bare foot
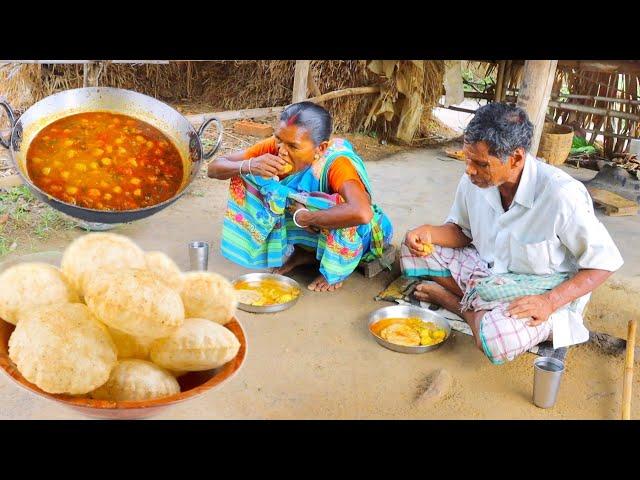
{"points": [[435, 294], [320, 284], [297, 258]]}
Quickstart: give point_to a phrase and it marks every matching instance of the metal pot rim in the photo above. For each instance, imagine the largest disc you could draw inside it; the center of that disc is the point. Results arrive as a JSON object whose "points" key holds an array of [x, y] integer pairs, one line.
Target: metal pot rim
{"points": [[192, 132]]}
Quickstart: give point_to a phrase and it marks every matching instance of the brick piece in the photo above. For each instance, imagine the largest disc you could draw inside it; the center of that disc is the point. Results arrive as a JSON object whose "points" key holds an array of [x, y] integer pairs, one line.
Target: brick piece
{"points": [[245, 127], [373, 268]]}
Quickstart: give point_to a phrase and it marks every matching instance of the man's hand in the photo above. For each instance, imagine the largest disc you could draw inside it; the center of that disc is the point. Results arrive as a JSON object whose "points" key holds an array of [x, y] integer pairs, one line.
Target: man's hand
{"points": [[419, 241], [538, 307], [267, 165]]}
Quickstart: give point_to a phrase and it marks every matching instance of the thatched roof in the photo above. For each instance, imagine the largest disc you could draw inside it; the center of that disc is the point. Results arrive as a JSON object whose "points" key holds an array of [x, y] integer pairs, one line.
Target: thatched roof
{"points": [[408, 88]]}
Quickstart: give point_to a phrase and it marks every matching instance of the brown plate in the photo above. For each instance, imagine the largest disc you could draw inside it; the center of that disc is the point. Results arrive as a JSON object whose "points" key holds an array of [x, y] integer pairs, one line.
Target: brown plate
{"points": [[192, 384]]}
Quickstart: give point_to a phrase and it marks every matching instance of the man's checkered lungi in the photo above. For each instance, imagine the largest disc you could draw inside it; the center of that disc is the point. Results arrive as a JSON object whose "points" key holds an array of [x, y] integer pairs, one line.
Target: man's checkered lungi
{"points": [[503, 338]]}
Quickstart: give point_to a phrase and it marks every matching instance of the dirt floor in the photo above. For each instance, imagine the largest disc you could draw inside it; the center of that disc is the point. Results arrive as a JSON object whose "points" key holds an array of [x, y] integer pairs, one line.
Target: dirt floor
{"points": [[318, 361]]}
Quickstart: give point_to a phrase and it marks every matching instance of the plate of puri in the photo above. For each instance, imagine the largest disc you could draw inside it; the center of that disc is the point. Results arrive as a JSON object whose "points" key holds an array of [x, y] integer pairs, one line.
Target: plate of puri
{"points": [[408, 329], [266, 292], [112, 331]]}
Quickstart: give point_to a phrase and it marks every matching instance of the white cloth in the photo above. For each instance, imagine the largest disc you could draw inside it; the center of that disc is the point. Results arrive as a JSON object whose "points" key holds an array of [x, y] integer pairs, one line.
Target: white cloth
{"points": [[550, 227]]}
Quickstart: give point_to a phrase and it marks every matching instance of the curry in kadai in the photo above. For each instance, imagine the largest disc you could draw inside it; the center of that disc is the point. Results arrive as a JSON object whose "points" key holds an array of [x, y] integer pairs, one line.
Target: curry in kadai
{"points": [[105, 161]]}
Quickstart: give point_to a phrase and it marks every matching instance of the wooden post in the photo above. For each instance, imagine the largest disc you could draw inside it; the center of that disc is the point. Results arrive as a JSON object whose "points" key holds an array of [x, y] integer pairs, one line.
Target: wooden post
{"points": [[628, 371], [91, 73], [311, 85], [500, 80], [85, 75], [535, 90], [300, 80], [507, 80]]}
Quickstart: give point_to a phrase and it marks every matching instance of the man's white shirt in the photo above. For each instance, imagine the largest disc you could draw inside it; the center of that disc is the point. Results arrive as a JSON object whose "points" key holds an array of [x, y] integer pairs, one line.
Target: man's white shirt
{"points": [[550, 227]]}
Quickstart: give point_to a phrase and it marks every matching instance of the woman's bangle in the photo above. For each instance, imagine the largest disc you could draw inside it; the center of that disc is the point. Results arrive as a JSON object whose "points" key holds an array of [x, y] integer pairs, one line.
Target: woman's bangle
{"points": [[294, 217], [241, 165], [250, 172]]}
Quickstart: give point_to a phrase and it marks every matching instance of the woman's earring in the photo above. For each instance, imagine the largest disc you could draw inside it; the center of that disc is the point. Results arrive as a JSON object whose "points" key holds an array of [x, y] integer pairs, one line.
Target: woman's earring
{"points": [[316, 156]]}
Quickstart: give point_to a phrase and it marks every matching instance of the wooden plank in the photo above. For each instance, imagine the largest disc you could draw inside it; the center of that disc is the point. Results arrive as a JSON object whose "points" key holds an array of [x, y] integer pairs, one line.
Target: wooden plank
{"points": [[300, 81], [10, 181], [614, 204], [535, 90], [235, 114]]}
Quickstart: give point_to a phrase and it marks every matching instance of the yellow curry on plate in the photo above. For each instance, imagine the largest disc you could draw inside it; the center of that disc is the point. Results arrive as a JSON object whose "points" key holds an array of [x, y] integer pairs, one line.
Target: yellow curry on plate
{"points": [[412, 332], [265, 292]]}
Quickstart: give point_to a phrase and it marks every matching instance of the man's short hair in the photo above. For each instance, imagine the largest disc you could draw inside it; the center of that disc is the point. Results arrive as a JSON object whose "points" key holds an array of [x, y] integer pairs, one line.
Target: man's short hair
{"points": [[503, 127]]}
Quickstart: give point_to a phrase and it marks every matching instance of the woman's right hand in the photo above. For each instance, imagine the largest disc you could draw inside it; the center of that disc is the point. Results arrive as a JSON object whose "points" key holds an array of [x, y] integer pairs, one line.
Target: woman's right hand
{"points": [[267, 165], [419, 241]]}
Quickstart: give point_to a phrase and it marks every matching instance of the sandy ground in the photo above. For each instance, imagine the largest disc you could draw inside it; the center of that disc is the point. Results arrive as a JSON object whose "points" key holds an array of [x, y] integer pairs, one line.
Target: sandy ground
{"points": [[317, 360]]}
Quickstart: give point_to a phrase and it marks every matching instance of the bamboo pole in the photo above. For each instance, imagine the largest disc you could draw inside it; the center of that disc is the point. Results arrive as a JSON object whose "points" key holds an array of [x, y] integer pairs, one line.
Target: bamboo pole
{"points": [[596, 97], [488, 96], [567, 106], [458, 109], [500, 80], [628, 371], [345, 92], [609, 134], [236, 114], [593, 110], [268, 111]]}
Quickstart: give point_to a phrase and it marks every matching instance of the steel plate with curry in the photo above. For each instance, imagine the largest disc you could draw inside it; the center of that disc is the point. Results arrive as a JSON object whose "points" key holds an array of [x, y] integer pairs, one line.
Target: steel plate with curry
{"points": [[105, 161], [411, 332], [265, 292]]}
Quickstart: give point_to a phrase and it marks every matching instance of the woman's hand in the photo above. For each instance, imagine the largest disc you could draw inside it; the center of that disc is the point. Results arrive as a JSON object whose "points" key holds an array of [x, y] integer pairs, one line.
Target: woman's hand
{"points": [[419, 241], [267, 165], [293, 208]]}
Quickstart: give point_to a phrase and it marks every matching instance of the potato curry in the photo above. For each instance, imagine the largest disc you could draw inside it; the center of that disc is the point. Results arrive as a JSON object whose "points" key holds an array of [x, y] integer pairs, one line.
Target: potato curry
{"points": [[105, 161]]}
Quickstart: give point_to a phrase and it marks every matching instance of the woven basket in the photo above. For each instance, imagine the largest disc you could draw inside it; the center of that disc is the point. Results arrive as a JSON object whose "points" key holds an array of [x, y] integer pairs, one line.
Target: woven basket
{"points": [[555, 143]]}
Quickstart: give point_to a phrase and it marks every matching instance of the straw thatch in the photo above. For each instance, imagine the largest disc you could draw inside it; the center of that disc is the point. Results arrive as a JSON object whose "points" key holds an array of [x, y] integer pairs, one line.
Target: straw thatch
{"points": [[233, 85]]}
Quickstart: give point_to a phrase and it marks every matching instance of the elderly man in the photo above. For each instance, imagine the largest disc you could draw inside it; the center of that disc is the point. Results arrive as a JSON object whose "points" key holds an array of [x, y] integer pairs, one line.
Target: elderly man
{"points": [[521, 250]]}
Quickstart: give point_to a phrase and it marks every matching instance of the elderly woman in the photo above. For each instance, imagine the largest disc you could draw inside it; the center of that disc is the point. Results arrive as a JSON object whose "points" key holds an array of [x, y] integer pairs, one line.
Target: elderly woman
{"points": [[301, 197], [521, 250]]}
